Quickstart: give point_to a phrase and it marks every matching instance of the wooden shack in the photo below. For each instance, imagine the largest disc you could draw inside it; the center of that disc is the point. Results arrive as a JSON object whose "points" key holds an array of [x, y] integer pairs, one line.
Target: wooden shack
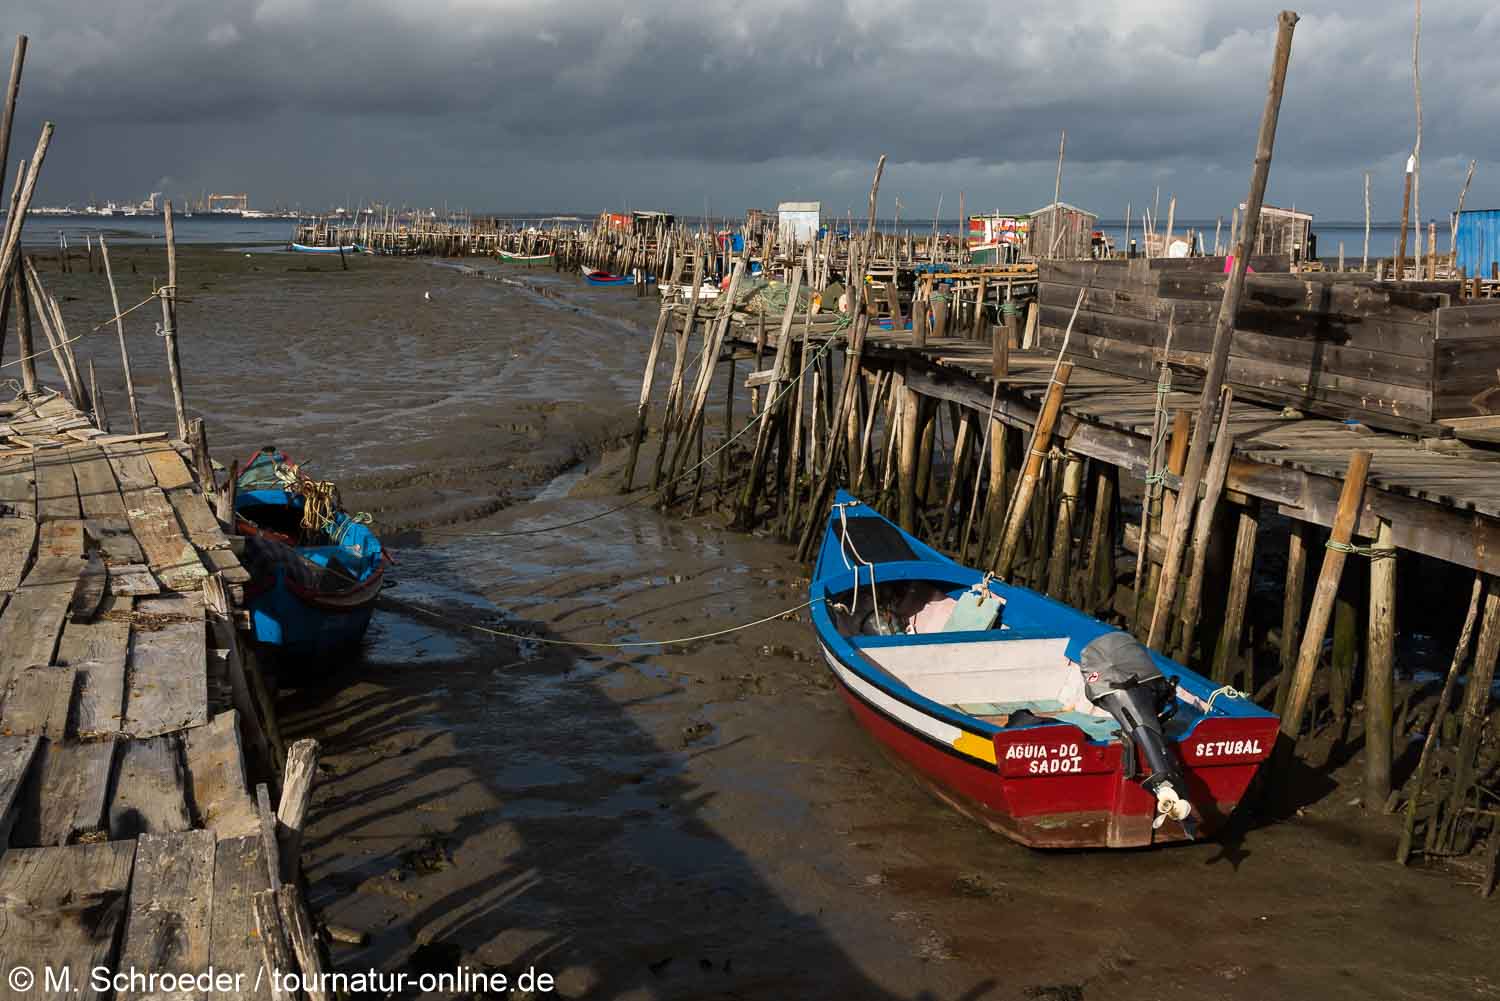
{"points": [[1283, 231], [1406, 357], [1060, 231]]}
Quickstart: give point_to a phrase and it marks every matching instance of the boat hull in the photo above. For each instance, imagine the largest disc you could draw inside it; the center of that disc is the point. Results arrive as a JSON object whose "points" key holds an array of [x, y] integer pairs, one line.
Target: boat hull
{"points": [[302, 248], [301, 625], [1097, 808], [1044, 782], [529, 260]]}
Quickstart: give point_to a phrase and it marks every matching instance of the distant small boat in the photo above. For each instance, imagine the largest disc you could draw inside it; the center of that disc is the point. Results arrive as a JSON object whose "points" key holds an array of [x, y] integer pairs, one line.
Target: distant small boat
{"points": [[530, 260], [313, 579], [707, 291], [1039, 721], [348, 248], [596, 277]]}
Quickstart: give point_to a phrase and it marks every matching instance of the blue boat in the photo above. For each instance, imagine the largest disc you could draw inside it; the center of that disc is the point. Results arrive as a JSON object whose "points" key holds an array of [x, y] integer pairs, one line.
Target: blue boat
{"points": [[348, 248], [1045, 724], [596, 277], [315, 569]]}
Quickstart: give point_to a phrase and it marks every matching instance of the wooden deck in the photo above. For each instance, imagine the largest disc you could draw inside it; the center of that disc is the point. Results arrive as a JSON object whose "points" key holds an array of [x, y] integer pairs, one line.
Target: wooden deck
{"points": [[1441, 495], [130, 834]]}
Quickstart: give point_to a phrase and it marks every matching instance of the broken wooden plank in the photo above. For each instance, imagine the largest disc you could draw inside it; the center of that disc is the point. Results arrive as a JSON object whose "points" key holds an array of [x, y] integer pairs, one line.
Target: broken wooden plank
{"points": [[61, 537], [18, 487], [156, 528], [133, 579], [17, 541], [168, 688], [225, 561], [170, 471], [16, 755], [171, 906], [233, 945], [65, 799], [89, 592], [56, 490], [202, 527], [275, 953], [150, 789], [216, 778], [299, 930], [131, 468], [33, 619], [37, 701], [62, 909], [268, 844], [98, 650], [98, 490], [113, 537]]}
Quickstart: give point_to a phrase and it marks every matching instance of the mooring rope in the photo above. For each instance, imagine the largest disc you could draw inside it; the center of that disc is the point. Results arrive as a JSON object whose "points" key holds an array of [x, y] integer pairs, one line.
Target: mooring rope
{"points": [[654, 491], [846, 546], [597, 644], [1372, 552]]}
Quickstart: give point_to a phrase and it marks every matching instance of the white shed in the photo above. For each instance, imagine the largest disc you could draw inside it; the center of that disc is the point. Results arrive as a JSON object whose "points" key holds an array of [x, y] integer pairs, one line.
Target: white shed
{"points": [[799, 220]]}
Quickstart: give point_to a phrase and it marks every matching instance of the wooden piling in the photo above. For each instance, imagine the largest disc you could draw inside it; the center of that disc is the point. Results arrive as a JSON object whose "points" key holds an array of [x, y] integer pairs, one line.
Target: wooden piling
{"points": [[114, 296], [1380, 665], [1345, 518], [1062, 533], [1041, 441], [1218, 469], [1247, 525], [168, 296]]}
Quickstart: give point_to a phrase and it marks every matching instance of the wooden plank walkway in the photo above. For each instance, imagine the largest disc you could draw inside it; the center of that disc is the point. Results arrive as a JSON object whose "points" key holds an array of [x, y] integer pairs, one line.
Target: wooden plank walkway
{"points": [[1441, 495], [128, 831]]}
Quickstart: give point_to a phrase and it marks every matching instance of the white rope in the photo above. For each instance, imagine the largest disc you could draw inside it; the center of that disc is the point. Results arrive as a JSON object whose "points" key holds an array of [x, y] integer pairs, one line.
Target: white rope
{"points": [[847, 543], [1228, 691], [522, 637]]}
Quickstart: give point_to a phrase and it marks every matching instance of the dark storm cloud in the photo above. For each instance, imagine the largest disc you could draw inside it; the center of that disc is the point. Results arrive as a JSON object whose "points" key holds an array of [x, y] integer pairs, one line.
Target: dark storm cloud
{"points": [[500, 104]]}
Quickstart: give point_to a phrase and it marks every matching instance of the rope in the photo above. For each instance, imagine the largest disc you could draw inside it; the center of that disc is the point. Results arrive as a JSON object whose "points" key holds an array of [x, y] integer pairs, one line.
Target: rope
{"points": [[598, 645], [1373, 552], [846, 542], [1228, 691]]}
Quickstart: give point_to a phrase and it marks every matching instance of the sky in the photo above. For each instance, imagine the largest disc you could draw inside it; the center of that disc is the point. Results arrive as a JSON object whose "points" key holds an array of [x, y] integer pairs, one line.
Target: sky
{"points": [[687, 105]]}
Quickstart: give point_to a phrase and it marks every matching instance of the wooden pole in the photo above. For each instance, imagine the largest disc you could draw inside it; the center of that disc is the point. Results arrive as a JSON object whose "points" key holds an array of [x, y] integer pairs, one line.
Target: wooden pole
{"points": [[21, 203], [770, 412], [1224, 331], [1041, 440], [1416, 151], [1062, 533], [1247, 523], [1344, 520], [1218, 469], [1291, 606], [12, 91], [1400, 262], [1364, 261], [1440, 713], [23, 334], [1098, 593], [169, 324], [1462, 194], [135, 414], [1380, 664]]}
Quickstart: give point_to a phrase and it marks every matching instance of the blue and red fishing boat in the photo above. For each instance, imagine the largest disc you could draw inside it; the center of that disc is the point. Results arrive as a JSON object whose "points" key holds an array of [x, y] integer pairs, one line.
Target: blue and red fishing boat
{"points": [[315, 569], [1041, 722], [596, 277]]}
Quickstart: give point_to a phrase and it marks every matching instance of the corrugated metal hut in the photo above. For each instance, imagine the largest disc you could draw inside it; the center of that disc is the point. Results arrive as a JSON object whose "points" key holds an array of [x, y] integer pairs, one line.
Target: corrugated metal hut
{"points": [[1282, 231], [1479, 242], [1061, 230], [799, 221]]}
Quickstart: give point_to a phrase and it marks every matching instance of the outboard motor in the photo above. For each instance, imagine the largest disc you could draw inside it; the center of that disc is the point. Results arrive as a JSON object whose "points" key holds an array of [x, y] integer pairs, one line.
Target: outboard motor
{"points": [[1120, 677]]}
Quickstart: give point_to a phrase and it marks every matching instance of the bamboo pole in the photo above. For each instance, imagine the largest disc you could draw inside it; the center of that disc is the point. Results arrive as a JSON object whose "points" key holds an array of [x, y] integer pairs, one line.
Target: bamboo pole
{"points": [[1344, 520], [1364, 261], [1462, 194], [1041, 440], [21, 202], [168, 296], [1400, 262], [1218, 469], [1224, 330], [135, 414]]}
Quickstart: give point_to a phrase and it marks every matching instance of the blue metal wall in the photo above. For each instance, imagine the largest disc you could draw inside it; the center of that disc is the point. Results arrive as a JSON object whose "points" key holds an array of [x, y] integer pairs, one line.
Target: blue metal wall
{"points": [[1478, 241]]}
